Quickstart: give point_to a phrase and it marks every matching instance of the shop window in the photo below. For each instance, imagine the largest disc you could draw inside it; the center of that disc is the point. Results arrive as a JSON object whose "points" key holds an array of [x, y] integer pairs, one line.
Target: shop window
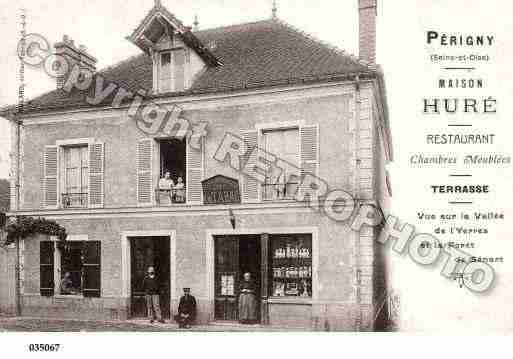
{"points": [[284, 144], [291, 265], [79, 272], [75, 177], [172, 182]]}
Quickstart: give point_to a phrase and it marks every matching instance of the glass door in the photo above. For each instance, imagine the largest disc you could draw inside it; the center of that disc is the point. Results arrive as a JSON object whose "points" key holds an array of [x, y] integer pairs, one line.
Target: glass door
{"points": [[226, 277]]}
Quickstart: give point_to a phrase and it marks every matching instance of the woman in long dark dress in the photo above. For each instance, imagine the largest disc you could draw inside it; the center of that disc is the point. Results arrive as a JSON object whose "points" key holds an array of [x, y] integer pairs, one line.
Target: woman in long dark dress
{"points": [[247, 301]]}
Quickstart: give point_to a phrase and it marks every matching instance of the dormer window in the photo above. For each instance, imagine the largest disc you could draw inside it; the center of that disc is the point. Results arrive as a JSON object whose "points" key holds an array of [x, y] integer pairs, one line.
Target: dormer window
{"points": [[178, 55], [171, 72]]}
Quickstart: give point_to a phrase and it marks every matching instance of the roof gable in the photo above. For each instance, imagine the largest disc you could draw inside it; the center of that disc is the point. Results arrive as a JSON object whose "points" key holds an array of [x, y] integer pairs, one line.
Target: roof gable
{"points": [[159, 22]]}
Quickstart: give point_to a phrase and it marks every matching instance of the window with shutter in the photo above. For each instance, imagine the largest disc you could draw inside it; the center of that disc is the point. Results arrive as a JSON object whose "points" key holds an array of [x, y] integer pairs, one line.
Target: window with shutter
{"points": [[144, 171], [46, 268], [50, 176], [249, 185], [91, 268], [96, 174]]}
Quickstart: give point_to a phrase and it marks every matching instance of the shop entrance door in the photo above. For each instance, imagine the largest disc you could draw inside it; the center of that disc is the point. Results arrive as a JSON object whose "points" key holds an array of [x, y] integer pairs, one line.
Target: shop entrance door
{"points": [[234, 256], [149, 252]]}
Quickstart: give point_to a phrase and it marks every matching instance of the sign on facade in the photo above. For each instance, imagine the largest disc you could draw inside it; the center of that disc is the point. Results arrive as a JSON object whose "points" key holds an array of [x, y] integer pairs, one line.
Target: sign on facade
{"points": [[221, 190]]}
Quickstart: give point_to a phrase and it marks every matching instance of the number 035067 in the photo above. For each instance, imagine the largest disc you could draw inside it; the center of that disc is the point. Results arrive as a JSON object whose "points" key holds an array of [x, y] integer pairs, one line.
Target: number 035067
{"points": [[44, 347]]}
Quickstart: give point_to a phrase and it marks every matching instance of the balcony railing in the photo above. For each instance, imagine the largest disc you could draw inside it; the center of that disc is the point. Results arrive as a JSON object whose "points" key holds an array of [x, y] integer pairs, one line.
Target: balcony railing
{"points": [[170, 196], [279, 191], [74, 200]]}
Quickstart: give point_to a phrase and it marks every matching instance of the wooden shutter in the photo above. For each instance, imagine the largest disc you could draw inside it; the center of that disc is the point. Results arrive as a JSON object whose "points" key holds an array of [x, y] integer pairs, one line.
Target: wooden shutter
{"points": [[144, 171], [249, 185], [194, 173], [51, 197], [96, 174], [91, 269], [309, 138], [46, 268]]}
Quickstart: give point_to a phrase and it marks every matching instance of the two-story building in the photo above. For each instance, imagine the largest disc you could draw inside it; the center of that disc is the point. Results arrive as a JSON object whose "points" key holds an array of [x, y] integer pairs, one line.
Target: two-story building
{"points": [[133, 192]]}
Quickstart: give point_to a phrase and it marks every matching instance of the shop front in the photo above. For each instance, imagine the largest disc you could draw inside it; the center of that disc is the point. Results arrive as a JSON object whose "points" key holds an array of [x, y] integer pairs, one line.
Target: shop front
{"points": [[282, 264]]}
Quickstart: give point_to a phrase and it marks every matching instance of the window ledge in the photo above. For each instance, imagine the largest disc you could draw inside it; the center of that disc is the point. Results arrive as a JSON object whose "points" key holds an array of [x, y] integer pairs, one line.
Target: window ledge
{"points": [[62, 296], [290, 300]]}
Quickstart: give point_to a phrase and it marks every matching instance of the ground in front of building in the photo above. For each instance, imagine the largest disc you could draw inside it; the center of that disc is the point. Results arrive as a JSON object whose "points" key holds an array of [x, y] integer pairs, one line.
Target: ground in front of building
{"points": [[27, 324]]}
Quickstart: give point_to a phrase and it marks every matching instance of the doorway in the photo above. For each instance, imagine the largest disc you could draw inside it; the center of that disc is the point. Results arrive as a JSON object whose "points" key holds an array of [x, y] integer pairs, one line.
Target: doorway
{"points": [[234, 256], [149, 252]]}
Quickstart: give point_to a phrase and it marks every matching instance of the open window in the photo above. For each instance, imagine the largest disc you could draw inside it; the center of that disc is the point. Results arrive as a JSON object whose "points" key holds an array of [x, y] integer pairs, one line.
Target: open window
{"points": [[172, 175], [80, 268], [70, 268]]}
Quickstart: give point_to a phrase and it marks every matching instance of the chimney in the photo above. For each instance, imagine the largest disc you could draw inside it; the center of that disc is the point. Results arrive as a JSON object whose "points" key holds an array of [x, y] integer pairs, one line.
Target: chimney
{"points": [[368, 10], [196, 23], [74, 56]]}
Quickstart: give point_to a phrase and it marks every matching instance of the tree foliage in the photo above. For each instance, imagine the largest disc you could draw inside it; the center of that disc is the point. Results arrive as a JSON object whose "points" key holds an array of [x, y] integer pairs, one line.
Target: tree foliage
{"points": [[28, 226]]}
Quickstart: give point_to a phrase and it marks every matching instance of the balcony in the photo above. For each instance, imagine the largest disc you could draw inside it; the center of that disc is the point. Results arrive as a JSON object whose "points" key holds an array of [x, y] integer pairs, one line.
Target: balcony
{"points": [[164, 197], [279, 191], [75, 200]]}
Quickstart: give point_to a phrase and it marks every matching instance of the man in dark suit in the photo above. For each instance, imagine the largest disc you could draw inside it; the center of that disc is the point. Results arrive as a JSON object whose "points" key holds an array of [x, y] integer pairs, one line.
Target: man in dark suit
{"points": [[186, 309], [152, 291]]}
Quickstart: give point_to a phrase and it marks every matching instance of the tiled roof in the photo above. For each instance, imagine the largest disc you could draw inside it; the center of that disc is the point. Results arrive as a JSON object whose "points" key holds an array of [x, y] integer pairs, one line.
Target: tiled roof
{"points": [[253, 55]]}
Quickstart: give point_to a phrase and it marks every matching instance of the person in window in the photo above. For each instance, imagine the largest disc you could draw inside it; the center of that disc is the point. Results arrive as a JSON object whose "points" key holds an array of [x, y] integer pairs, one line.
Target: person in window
{"points": [[166, 185], [152, 291], [186, 309], [179, 191], [247, 301], [67, 285]]}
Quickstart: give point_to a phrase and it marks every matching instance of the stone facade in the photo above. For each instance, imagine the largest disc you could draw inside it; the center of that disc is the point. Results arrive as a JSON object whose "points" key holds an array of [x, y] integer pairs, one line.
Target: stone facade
{"points": [[351, 158]]}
